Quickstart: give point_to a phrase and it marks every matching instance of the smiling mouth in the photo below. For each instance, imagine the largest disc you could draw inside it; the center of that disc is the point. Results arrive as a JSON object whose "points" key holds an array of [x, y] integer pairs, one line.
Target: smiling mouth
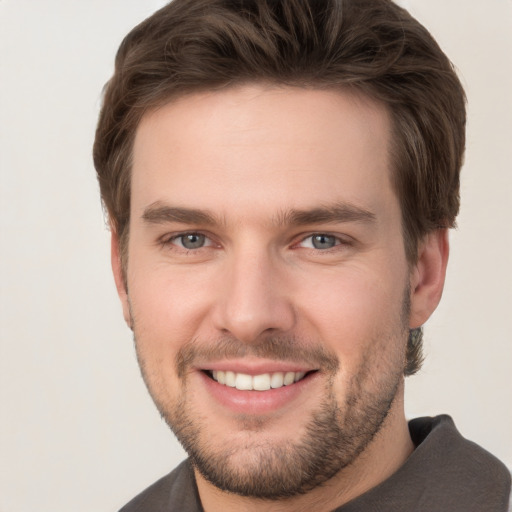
{"points": [[262, 382]]}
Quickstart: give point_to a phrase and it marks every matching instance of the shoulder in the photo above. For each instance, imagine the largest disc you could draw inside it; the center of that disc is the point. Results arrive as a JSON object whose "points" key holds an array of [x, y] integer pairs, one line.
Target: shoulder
{"points": [[459, 469], [438, 440], [175, 491], [445, 472]]}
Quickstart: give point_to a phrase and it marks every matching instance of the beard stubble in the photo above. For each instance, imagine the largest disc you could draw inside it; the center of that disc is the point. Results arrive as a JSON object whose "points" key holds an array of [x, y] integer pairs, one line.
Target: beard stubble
{"points": [[334, 436]]}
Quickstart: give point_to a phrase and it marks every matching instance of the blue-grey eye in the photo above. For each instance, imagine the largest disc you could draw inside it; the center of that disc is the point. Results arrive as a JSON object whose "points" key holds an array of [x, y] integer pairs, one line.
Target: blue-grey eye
{"points": [[323, 241], [192, 240]]}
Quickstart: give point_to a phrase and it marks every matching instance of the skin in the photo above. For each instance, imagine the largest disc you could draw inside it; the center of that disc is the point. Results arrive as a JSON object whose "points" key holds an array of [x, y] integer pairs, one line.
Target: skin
{"points": [[248, 156]]}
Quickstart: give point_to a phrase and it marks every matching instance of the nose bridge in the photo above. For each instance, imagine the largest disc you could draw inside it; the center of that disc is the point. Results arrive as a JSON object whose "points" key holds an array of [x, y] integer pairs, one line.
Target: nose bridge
{"points": [[252, 302]]}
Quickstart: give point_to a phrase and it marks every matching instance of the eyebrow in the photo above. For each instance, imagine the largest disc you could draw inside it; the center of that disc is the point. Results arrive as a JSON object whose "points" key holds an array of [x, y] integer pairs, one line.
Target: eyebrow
{"points": [[160, 213], [338, 212]]}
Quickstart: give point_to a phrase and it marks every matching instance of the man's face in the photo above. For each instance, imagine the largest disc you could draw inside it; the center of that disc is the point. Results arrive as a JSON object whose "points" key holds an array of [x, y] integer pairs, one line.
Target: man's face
{"points": [[266, 253]]}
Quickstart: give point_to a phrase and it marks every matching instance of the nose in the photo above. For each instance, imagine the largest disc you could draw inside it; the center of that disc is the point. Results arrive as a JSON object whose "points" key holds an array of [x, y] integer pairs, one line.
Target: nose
{"points": [[253, 300]]}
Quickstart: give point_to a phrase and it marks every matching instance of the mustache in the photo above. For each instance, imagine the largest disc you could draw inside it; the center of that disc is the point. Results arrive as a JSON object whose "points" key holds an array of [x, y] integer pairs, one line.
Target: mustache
{"points": [[279, 348]]}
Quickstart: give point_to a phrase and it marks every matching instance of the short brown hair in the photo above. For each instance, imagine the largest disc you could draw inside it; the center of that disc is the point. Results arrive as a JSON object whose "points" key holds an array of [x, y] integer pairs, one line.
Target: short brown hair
{"points": [[373, 46]]}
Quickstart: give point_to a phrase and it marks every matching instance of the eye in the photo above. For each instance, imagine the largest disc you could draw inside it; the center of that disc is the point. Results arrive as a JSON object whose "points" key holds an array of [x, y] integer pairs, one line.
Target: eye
{"points": [[191, 241], [320, 241]]}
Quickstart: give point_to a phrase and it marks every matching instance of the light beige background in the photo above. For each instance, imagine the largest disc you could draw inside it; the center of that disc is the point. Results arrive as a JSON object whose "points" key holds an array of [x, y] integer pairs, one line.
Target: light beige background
{"points": [[78, 431]]}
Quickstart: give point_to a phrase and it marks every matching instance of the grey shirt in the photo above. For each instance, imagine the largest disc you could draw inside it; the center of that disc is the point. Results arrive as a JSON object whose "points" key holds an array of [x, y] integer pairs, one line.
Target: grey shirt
{"points": [[445, 473]]}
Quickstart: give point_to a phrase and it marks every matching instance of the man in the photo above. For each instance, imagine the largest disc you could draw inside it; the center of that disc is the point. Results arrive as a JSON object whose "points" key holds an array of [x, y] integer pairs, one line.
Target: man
{"points": [[279, 179]]}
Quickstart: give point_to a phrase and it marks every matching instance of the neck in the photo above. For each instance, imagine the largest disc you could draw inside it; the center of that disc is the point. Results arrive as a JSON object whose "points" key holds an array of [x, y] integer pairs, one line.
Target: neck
{"points": [[387, 452]]}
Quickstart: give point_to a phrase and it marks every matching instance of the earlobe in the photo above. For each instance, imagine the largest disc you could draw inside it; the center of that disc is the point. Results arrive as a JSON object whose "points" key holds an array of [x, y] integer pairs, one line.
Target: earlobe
{"points": [[119, 277], [427, 276]]}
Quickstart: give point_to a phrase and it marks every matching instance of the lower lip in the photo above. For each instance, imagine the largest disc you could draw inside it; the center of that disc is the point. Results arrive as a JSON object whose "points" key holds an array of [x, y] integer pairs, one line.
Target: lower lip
{"points": [[257, 402]]}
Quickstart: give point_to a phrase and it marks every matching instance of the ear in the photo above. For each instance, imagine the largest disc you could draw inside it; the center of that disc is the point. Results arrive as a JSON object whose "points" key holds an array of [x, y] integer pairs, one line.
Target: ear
{"points": [[427, 276], [117, 269]]}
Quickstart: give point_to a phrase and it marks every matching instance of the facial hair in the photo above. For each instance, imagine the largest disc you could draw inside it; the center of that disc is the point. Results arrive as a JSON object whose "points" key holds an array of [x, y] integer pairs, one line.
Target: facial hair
{"points": [[333, 438]]}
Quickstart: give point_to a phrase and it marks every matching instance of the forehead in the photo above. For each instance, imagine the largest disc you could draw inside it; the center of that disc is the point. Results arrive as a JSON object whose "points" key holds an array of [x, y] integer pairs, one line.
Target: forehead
{"points": [[263, 147]]}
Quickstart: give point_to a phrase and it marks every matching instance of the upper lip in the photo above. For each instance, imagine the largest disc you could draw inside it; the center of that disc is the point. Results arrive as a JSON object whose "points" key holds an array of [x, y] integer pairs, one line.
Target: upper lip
{"points": [[255, 367]]}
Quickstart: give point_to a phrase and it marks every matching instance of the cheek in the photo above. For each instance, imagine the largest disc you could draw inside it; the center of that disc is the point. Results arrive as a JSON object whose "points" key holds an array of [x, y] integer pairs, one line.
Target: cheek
{"points": [[165, 313], [167, 305], [352, 310]]}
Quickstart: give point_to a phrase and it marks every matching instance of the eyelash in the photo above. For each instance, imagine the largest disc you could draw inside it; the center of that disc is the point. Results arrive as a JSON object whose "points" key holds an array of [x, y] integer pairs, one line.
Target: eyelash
{"points": [[170, 240], [338, 241]]}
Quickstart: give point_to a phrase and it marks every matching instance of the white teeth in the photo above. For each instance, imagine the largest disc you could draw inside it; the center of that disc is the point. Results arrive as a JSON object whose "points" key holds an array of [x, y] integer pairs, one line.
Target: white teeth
{"points": [[277, 380], [299, 376], [289, 378], [262, 382], [230, 379], [243, 381]]}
